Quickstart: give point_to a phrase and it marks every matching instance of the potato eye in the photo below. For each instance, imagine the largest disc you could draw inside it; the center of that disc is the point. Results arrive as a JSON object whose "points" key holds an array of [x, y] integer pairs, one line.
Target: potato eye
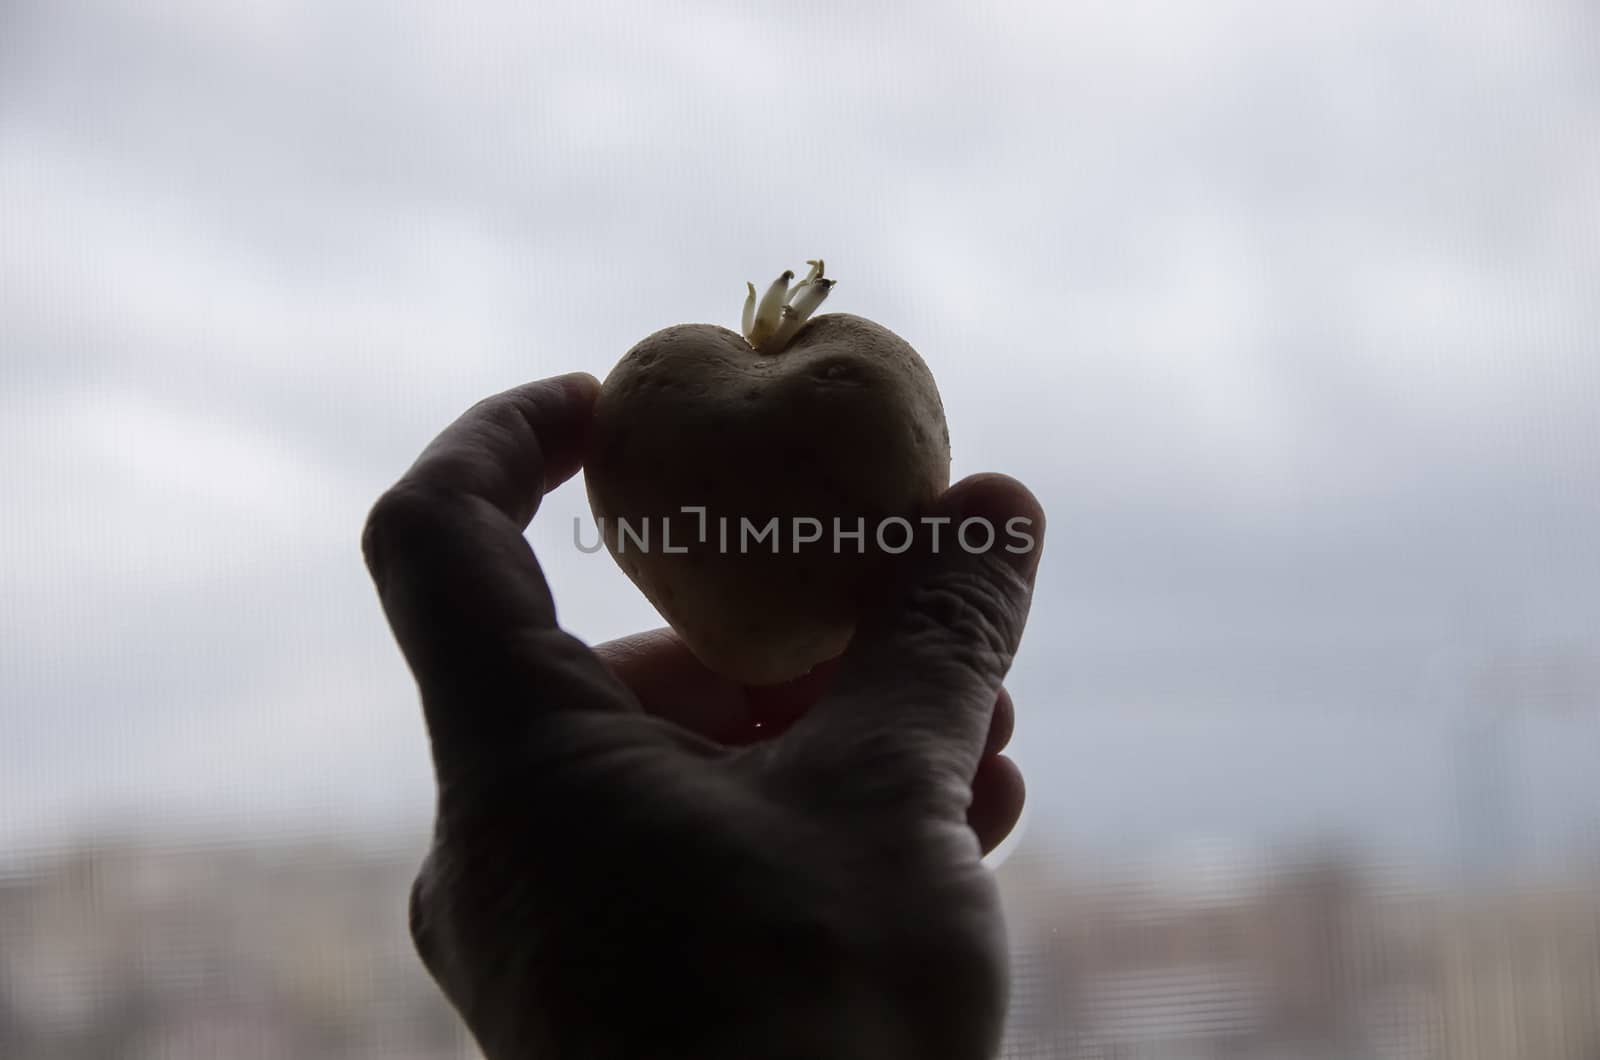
{"points": [[837, 372]]}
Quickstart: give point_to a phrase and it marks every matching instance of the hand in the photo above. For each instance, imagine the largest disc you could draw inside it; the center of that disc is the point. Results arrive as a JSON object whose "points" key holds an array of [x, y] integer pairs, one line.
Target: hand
{"points": [[623, 866]]}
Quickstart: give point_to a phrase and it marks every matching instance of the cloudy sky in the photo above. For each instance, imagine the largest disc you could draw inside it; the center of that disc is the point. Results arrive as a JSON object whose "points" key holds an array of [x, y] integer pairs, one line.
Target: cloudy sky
{"points": [[1287, 312]]}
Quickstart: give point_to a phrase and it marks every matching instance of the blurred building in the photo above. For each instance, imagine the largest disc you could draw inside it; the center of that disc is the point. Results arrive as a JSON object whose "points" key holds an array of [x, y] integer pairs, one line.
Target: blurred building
{"points": [[144, 951], [1311, 958]]}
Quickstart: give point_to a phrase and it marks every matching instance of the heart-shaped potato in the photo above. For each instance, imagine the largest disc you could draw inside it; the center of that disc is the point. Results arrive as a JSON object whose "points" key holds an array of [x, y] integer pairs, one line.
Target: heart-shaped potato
{"points": [[751, 485]]}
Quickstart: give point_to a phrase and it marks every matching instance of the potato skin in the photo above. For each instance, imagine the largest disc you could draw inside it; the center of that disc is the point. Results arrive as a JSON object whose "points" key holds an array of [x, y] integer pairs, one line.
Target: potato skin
{"points": [[844, 424]]}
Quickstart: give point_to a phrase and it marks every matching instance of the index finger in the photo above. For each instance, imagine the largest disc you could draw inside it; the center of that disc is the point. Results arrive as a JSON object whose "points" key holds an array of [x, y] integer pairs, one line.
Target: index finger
{"points": [[466, 599], [670, 682]]}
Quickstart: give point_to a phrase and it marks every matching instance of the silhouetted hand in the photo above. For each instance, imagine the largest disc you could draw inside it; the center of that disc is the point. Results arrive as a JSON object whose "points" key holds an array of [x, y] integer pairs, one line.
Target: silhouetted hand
{"points": [[633, 858]]}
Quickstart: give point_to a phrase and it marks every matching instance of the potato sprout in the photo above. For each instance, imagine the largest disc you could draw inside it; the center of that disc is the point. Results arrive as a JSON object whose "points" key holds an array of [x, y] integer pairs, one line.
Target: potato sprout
{"points": [[769, 325]]}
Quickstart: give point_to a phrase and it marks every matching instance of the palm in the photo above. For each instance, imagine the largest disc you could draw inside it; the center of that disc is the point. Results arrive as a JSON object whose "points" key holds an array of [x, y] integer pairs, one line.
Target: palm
{"points": [[728, 867]]}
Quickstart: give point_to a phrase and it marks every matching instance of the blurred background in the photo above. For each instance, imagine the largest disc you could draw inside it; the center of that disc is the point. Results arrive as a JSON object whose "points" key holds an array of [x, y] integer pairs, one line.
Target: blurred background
{"points": [[1288, 313]]}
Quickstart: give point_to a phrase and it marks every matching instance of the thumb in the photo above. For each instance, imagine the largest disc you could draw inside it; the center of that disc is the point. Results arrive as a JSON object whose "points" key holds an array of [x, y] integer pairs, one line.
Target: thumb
{"points": [[911, 701]]}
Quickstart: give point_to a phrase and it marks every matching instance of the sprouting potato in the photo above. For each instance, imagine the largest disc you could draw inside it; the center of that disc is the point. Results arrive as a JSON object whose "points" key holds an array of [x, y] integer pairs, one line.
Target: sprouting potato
{"points": [[703, 436]]}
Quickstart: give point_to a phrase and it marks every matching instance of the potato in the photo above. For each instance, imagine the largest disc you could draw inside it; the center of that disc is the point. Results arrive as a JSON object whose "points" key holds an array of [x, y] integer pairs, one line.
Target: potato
{"points": [[703, 436]]}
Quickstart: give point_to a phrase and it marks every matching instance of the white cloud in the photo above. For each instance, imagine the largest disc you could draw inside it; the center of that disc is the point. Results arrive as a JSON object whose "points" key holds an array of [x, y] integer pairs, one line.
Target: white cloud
{"points": [[1281, 309]]}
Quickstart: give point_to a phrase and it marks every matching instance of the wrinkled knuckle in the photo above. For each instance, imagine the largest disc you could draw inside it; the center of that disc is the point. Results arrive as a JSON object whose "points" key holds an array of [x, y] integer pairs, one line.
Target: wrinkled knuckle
{"points": [[507, 415], [404, 515], [970, 615], [491, 405]]}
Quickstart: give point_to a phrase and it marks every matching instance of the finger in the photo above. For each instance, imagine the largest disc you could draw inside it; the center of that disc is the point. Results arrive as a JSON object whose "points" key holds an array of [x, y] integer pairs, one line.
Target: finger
{"points": [[463, 593], [775, 708], [913, 699], [997, 797], [671, 683]]}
